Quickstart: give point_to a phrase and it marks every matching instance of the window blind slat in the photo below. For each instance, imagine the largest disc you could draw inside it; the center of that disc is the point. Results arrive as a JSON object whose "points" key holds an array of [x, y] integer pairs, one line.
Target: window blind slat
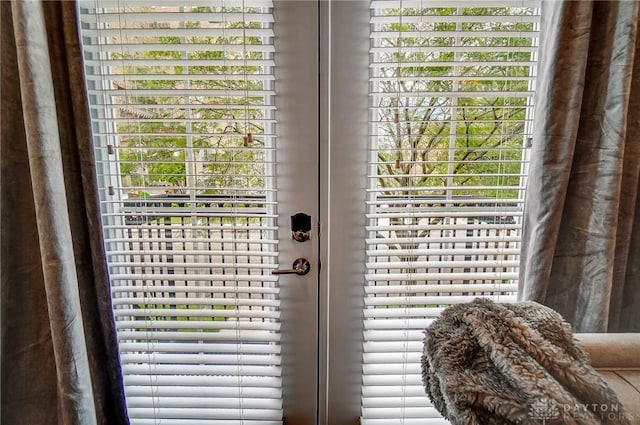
{"points": [[397, 324], [152, 33], [389, 33], [190, 62], [162, 413], [114, 253], [260, 393], [216, 347], [205, 402], [161, 335], [411, 4], [132, 49], [208, 290], [150, 92], [454, 49], [200, 370], [414, 93], [149, 299], [179, 381], [407, 64], [392, 346], [421, 300], [406, 421], [146, 14], [190, 325], [179, 77], [183, 421], [408, 19], [191, 313], [90, 4], [229, 359], [418, 288], [404, 411]]}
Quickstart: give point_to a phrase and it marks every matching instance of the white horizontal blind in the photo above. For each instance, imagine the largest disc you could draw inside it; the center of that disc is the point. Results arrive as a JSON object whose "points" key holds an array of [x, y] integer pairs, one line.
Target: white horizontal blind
{"points": [[451, 87], [182, 104]]}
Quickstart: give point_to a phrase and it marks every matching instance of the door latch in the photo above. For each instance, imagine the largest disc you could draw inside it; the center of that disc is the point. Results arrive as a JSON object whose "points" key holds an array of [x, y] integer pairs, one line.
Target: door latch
{"points": [[301, 266]]}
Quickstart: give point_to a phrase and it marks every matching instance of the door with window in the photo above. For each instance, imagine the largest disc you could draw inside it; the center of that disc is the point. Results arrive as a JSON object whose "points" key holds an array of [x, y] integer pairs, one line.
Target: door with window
{"points": [[396, 130]]}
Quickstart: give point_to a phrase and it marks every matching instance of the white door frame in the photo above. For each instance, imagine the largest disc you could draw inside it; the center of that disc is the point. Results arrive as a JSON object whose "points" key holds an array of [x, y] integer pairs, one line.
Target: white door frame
{"points": [[296, 38], [322, 112], [343, 157]]}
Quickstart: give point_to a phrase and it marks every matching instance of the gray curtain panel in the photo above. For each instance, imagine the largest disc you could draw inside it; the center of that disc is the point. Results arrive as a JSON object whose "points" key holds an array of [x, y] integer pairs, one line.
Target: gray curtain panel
{"points": [[581, 249], [58, 344]]}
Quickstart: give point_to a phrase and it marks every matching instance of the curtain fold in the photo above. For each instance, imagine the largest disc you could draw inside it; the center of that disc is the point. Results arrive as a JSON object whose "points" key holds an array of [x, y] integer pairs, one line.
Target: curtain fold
{"points": [[581, 234], [58, 343]]}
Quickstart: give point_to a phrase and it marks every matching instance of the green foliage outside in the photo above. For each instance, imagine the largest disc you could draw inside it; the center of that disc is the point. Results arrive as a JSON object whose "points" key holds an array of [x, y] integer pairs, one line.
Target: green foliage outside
{"points": [[460, 121], [489, 127], [413, 153], [204, 131]]}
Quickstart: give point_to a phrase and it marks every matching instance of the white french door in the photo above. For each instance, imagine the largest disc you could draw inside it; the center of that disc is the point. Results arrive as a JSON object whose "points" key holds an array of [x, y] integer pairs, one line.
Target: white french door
{"points": [[206, 129], [205, 122], [398, 127]]}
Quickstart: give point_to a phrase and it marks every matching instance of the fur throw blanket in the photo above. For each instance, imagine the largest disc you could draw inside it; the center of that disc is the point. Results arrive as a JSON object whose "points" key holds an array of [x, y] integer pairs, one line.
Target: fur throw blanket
{"points": [[486, 363]]}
